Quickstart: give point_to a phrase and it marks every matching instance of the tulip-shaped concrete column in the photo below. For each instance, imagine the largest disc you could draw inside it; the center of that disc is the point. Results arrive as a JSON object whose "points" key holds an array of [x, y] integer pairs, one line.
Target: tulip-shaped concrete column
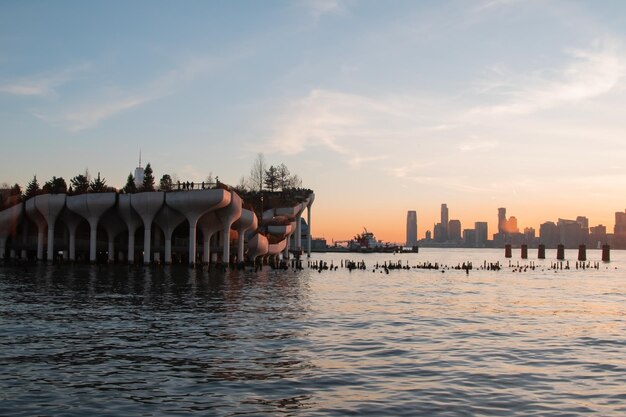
{"points": [[308, 212], [228, 215], [113, 226], [288, 240], [258, 246], [50, 206], [147, 206], [40, 221], [9, 219], [247, 221], [72, 221], [193, 205], [168, 220], [91, 207], [209, 224], [132, 220]]}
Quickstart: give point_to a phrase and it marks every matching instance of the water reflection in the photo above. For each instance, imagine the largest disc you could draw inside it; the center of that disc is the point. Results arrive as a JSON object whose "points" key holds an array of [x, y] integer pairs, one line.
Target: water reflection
{"points": [[167, 340]]}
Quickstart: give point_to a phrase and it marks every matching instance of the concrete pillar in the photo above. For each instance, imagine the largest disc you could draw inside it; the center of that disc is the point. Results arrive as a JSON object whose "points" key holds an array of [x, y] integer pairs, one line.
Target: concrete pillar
{"points": [[147, 205], [50, 206], [168, 250], [560, 252], [541, 251], [132, 220], [298, 243], [286, 250], [606, 253], [194, 204], [3, 242], [240, 246], [41, 236], [524, 251], [308, 247], [111, 248], [92, 207], [226, 244], [582, 252], [507, 251]]}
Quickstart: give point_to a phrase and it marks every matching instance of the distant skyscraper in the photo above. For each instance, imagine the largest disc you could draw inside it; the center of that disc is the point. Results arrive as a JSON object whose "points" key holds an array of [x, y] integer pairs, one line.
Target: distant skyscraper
{"points": [[501, 219], [454, 230], [444, 221], [482, 234], [139, 173], [411, 228]]}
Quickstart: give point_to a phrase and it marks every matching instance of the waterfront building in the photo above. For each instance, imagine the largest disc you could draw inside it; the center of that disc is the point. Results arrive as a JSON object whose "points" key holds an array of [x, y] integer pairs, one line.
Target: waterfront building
{"points": [[439, 233], [619, 230], [444, 222], [549, 235], [454, 230], [598, 236], [482, 234], [411, 228], [501, 219], [469, 238], [570, 233]]}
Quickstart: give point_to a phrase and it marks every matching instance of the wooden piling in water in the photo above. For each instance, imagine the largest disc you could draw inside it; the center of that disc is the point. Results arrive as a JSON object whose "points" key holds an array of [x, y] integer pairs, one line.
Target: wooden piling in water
{"points": [[560, 252]]}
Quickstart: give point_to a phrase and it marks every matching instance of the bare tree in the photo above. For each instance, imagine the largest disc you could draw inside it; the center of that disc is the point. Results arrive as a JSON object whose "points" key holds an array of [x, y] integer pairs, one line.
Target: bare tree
{"points": [[257, 173]]}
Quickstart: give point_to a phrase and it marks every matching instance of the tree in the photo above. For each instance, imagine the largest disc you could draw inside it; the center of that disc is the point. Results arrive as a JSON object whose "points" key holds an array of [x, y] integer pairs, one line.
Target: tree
{"points": [[257, 173], [295, 181], [271, 178], [241, 186], [148, 179], [32, 189], [98, 185], [283, 177], [130, 186], [80, 184], [16, 190], [55, 186], [166, 183]]}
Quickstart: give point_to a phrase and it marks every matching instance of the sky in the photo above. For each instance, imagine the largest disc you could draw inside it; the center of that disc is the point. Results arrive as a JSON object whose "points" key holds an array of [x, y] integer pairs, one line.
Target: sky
{"points": [[379, 106]]}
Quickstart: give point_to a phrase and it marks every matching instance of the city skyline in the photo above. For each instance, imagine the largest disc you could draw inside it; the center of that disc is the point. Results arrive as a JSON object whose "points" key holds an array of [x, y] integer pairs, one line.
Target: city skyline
{"points": [[414, 103]]}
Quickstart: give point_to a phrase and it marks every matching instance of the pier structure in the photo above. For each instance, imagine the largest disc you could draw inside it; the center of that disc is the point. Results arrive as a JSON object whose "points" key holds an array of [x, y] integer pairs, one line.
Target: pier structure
{"points": [[50, 227]]}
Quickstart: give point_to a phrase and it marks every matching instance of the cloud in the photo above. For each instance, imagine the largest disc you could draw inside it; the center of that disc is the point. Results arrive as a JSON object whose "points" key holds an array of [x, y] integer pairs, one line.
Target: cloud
{"points": [[318, 8], [42, 84], [590, 73], [91, 112], [477, 145]]}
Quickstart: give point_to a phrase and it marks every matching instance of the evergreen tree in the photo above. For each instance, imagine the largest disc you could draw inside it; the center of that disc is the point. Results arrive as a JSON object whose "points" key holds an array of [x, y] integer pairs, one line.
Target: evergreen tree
{"points": [[130, 186], [148, 179], [271, 178], [55, 186], [16, 190], [98, 185], [166, 183], [32, 189], [80, 183]]}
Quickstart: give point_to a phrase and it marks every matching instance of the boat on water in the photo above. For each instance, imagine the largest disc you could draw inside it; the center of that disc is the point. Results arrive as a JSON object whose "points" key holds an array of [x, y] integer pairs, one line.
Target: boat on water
{"points": [[367, 242]]}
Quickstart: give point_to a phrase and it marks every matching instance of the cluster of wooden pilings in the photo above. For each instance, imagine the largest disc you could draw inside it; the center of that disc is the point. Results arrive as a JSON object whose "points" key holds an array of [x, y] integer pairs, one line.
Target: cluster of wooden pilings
{"points": [[560, 252]]}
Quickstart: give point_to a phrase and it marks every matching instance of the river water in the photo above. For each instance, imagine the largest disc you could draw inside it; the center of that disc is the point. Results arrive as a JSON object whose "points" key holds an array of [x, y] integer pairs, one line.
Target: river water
{"points": [[81, 340]]}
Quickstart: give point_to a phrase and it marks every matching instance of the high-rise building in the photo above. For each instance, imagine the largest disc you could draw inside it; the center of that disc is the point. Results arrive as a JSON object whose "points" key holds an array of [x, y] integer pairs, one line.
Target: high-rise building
{"points": [[482, 234], [469, 238], [501, 219], [570, 233], [411, 228], [597, 235], [549, 234], [619, 231], [428, 235], [139, 173], [444, 220], [439, 233], [454, 230]]}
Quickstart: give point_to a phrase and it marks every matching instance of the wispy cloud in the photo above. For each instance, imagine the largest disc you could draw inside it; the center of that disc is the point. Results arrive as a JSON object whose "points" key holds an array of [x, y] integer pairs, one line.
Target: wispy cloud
{"points": [[318, 8], [94, 110], [590, 73], [42, 84]]}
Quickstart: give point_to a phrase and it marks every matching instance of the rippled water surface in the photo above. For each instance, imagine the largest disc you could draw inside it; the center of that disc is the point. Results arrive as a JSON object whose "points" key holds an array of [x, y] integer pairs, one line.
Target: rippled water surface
{"points": [[80, 340]]}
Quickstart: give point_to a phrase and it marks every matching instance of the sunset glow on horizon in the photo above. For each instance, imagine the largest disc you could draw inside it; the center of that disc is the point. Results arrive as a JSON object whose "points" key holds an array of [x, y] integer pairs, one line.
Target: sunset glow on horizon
{"points": [[380, 107]]}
